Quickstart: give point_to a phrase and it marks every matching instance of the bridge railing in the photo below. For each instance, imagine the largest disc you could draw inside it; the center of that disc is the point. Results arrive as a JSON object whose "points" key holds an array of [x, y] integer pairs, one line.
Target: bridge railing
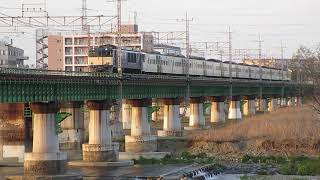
{"points": [[22, 71]]}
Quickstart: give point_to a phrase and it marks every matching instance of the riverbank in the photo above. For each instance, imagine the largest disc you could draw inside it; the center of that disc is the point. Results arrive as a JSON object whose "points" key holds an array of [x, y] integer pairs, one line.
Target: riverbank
{"points": [[290, 131]]}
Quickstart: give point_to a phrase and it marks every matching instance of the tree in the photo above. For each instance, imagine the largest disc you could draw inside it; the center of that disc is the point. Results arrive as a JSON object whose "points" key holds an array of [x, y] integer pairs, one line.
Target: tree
{"points": [[305, 65]]}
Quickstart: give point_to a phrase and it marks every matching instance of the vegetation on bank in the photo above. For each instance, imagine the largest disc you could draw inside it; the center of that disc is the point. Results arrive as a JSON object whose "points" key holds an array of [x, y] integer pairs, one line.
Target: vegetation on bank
{"points": [[183, 158], [300, 165], [298, 123]]}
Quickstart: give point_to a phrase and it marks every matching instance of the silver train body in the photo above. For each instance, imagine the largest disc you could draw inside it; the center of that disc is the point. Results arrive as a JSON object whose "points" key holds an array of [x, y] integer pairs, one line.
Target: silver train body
{"points": [[140, 62]]}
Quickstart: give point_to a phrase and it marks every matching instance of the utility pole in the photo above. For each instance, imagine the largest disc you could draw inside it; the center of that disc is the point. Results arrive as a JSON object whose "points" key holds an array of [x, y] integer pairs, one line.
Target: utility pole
{"points": [[118, 42], [260, 55], [187, 20], [260, 70], [119, 36], [135, 18], [84, 23], [282, 70], [230, 62], [282, 59], [84, 15], [230, 53]]}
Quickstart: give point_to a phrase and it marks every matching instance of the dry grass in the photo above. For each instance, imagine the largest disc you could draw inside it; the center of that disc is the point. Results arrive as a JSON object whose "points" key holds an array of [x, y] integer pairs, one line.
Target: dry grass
{"points": [[298, 123]]}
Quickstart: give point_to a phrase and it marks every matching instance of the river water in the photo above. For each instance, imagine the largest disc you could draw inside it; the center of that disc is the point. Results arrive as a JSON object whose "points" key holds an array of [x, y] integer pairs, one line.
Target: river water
{"points": [[134, 172]]}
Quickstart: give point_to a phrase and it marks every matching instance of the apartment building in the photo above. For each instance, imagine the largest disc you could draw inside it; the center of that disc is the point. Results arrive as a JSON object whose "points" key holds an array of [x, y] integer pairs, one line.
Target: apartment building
{"points": [[69, 52]]}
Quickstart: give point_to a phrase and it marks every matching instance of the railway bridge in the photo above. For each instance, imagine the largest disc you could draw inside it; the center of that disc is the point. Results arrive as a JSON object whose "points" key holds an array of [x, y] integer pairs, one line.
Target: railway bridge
{"points": [[46, 93]]}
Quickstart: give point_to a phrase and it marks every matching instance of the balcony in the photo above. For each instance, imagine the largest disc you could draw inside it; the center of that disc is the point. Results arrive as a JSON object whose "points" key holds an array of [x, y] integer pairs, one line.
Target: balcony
{"points": [[68, 41], [81, 51], [68, 61], [68, 68], [81, 42], [80, 61], [68, 51]]}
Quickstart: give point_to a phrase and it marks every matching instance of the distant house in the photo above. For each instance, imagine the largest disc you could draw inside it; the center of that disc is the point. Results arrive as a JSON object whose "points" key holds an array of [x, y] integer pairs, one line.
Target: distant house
{"points": [[10, 56], [167, 50]]}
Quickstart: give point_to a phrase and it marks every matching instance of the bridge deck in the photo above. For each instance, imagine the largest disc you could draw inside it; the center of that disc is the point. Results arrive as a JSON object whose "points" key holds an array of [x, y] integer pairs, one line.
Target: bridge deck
{"points": [[25, 85]]}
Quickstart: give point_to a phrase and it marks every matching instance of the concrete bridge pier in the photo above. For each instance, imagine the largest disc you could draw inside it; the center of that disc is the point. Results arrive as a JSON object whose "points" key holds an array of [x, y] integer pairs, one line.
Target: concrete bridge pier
{"points": [[45, 159], [72, 135], [272, 104], [262, 104], [154, 114], [234, 109], [126, 112], [100, 147], [196, 119], [159, 114], [171, 118], [298, 101], [141, 139], [116, 121], [291, 101], [14, 132], [218, 114], [283, 102], [249, 108]]}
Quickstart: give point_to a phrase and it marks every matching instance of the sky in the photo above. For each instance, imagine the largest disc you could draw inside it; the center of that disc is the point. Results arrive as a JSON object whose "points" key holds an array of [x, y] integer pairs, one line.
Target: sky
{"points": [[290, 22]]}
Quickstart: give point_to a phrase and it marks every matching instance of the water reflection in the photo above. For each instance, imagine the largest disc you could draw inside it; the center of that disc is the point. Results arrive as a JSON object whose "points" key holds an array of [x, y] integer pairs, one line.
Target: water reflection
{"points": [[124, 173]]}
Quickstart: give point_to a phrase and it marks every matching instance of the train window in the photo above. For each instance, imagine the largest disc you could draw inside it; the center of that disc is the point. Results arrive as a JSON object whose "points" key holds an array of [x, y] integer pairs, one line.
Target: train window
{"points": [[128, 57], [131, 58]]}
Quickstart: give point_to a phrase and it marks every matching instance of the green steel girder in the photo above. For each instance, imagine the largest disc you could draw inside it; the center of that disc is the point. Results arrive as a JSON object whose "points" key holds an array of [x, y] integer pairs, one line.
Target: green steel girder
{"points": [[153, 91], [39, 88]]}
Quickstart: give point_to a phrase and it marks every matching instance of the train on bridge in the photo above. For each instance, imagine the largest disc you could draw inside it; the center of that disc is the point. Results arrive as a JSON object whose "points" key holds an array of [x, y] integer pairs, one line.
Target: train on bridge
{"points": [[104, 58]]}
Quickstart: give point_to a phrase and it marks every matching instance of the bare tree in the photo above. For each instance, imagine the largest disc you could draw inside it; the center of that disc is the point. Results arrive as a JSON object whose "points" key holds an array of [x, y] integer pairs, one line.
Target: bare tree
{"points": [[305, 65]]}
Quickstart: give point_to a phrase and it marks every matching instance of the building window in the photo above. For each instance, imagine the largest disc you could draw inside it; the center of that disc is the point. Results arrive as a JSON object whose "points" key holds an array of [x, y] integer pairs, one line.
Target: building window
{"points": [[68, 41], [68, 60], [68, 68]]}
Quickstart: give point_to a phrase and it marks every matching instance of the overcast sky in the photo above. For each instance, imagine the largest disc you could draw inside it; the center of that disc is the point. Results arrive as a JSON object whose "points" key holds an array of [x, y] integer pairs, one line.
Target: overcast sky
{"points": [[293, 22]]}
